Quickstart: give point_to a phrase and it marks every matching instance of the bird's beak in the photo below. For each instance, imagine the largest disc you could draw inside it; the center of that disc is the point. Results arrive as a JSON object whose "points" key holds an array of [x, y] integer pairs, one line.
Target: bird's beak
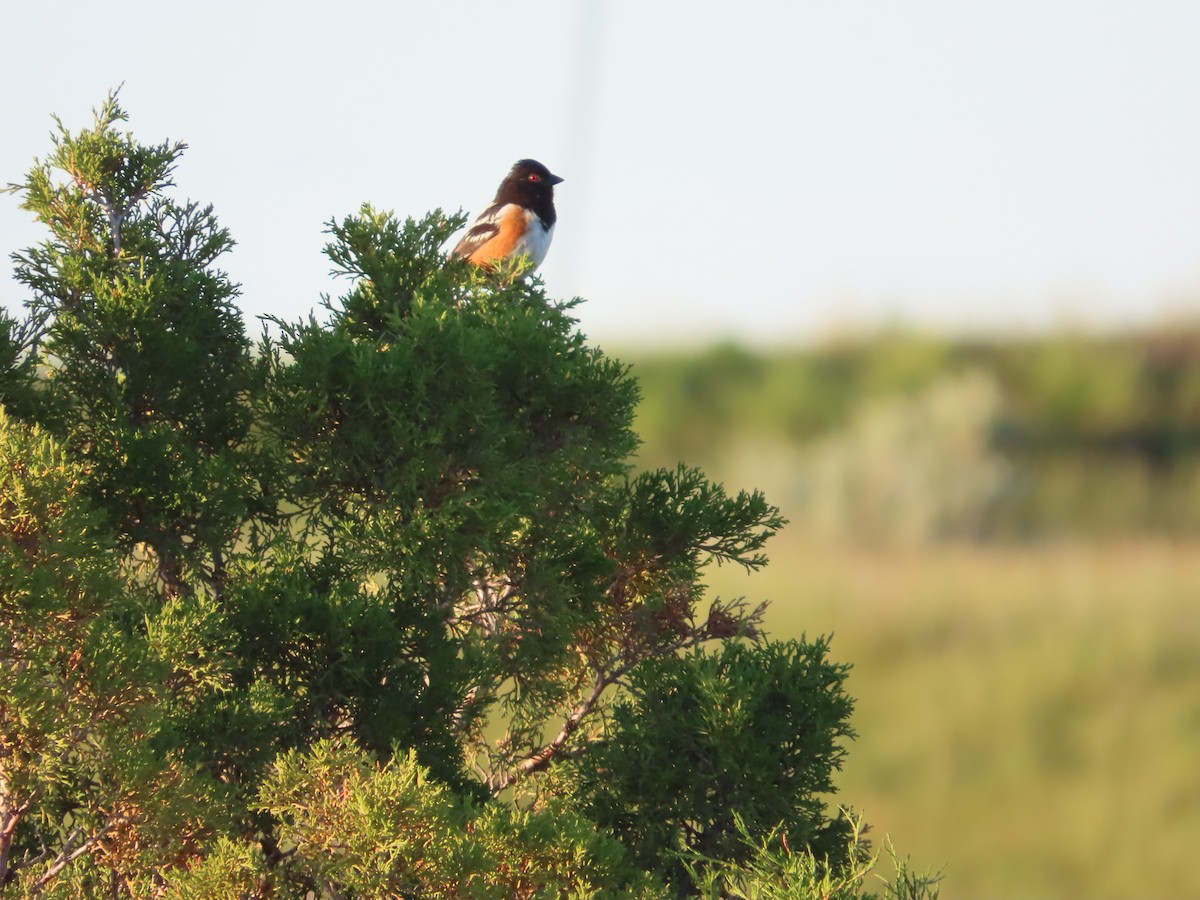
{"points": [[554, 179]]}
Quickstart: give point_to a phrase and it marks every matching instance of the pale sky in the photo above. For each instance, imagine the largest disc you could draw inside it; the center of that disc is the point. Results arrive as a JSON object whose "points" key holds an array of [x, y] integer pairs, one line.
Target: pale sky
{"points": [[761, 170]]}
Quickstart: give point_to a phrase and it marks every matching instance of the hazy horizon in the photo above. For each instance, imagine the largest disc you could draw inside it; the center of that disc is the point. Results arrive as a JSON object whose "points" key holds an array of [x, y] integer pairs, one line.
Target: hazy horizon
{"points": [[768, 172]]}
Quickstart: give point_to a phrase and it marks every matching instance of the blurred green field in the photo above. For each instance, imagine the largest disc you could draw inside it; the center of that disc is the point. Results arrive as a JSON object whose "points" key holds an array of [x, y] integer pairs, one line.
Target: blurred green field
{"points": [[1004, 540], [1028, 718]]}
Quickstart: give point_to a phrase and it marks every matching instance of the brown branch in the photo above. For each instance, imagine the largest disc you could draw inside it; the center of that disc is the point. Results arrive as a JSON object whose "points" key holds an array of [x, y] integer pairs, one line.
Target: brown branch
{"points": [[551, 751], [459, 720], [493, 600], [556, 749], [67, 856], [10, 817], [731, 620]]}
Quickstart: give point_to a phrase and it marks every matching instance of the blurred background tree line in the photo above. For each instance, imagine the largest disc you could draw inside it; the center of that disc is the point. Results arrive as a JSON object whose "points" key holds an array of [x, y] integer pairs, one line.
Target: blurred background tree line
{"points": [[913, 437]]}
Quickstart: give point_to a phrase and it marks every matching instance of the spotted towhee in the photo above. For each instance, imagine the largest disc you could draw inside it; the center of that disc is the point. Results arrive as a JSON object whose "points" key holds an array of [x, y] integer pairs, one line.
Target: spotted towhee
{"points": [[520, 221]]}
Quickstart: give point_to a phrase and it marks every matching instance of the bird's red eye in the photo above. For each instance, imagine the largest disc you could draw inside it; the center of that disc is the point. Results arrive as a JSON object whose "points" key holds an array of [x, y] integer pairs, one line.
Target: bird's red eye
{"points": [[533, 176]]}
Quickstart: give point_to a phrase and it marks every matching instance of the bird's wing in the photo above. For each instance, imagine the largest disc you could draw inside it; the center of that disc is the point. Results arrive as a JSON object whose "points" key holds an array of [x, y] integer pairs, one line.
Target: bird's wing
{"points": [[494, 234]]}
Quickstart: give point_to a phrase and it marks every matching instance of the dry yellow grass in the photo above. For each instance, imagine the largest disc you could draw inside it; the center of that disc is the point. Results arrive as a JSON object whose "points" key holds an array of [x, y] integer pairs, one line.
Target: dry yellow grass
{"points": [[1028, 718]]}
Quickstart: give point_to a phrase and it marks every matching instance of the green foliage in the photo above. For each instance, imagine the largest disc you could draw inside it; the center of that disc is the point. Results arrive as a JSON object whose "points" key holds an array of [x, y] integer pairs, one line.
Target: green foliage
{"points": [[706, 746], [149, 360], [95, 677], [388, 830], [376, 610], [771, 870], [17, 379]]}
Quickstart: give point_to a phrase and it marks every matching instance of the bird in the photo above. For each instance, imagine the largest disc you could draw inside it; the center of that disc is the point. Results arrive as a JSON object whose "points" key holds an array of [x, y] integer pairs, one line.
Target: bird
{"points": [[520, 221]]}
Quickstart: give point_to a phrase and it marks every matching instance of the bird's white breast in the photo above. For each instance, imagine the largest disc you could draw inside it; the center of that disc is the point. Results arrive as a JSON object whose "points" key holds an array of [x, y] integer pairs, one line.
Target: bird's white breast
{"points": [[535, 242]]}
